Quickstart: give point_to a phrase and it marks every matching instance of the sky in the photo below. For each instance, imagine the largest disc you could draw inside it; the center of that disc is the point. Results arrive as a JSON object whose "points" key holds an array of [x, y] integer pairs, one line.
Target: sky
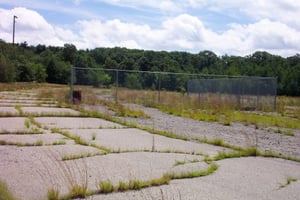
{"points": [[231, 27]]}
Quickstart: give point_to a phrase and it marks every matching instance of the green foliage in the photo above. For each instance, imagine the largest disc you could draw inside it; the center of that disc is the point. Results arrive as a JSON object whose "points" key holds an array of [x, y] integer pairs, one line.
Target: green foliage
{"points": [[98, 78], [123, 186], [8, 71], [53, 194], [106, 187], [5, 193], [193, 174], [132, 81], [40, 63], [78, 191]]}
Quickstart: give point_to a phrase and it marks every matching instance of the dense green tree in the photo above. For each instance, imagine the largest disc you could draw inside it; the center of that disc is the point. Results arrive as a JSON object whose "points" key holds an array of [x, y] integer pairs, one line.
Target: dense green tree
{"points": [[132, 81], [22, 62], [7, 70]]}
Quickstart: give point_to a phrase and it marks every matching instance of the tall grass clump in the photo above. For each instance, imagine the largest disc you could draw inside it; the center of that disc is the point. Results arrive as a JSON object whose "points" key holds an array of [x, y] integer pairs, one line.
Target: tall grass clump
{"points": [[53, 194], [106, 187]]}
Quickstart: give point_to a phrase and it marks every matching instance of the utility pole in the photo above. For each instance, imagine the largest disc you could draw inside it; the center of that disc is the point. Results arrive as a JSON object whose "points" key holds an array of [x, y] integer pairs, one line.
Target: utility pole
{"points": [[14, 28]]}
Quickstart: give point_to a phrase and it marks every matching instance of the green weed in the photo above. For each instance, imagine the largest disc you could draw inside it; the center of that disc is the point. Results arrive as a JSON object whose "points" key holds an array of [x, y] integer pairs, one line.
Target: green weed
{"points": [[289, 180], [78, 191], [93, 136], [193, 174], [19, 109], [27, 123], [106, 187], [5, 194], [61, 142], [123, 186], [53, 194]]}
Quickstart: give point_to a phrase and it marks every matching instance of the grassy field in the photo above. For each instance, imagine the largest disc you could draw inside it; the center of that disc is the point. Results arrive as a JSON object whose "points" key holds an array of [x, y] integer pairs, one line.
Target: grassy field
{"points": [[287, 114]]}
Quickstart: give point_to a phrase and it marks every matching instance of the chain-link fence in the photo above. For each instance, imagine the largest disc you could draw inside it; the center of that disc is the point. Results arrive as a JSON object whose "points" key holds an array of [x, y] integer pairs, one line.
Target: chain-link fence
{"points": [[247, 93], [150, 88]]}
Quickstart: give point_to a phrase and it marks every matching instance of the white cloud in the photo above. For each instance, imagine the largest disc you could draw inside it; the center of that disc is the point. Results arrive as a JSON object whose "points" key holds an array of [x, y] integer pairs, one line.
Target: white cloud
{"points": [[285, 11], [32, 27], [183, 32]]}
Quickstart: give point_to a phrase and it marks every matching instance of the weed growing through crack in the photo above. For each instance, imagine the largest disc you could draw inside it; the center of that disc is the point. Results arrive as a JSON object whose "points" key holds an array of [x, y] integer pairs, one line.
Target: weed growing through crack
{"points": [[289, 180], [193, 174], [80, 156], [53, 194], [22, 144], [61, 142], [39, 143], [27, 123], [123, 186], [178, 162], [19, 109], [5, 194], [94, 136], [106, 187]]}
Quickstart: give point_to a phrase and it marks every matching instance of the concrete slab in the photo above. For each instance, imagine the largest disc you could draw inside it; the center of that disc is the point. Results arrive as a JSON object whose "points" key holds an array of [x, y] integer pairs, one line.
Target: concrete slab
{"points": [[135, 139], [13, 124], [40, 166], [49, 111], [23, 104], [242, 178], [8, 110], [76, 123], [46, 139]]}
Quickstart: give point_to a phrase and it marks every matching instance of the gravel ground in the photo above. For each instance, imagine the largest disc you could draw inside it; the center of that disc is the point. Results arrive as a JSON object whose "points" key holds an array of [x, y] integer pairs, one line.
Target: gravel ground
{"points": [[236, 134]]}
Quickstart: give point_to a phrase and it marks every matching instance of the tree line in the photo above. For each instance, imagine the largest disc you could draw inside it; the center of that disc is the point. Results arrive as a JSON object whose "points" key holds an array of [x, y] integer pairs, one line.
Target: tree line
{"points": [[41, 63]]}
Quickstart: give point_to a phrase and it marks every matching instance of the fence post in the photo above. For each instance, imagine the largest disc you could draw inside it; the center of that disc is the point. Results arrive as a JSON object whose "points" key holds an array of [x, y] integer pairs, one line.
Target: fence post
{"points": [[71, 84], [258, 94], [117, 85], [275, 93], [159, 85]]}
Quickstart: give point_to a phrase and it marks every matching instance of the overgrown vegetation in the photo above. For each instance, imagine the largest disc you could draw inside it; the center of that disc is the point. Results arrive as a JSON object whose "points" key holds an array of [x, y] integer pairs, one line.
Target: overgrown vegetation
{"points": [[226, 114]]}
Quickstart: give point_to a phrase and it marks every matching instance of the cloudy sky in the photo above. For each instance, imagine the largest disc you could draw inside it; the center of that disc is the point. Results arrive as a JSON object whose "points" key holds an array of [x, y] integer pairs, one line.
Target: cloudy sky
{"points": [[233, 27]]}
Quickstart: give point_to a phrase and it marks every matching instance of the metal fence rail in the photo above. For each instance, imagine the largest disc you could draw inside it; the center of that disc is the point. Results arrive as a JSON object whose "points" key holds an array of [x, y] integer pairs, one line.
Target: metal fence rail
{"points": [[244, 92]]}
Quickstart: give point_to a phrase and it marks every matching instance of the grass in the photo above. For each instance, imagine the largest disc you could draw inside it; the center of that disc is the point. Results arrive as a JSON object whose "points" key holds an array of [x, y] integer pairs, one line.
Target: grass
{"points": [[177, 162], [218, 142], [78, 191], [193, 174], [80, 156], [22, 144], [19, 109], [216, 110], [123, 186], [5, 194], [289, 180], [53, 194], [27, 123], [224, 116], [284, 132], [78, 140], [61, 142], [106, 187], [31, 132]]}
